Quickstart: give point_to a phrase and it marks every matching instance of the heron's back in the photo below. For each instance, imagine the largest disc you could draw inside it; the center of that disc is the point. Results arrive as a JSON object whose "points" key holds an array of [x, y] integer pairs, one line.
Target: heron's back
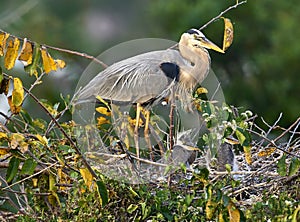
{"points": [[136, 79]]}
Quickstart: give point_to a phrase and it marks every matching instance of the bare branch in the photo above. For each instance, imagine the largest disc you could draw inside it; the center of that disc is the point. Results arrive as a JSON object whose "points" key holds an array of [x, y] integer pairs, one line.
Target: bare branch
{"points": [[222, 13]]}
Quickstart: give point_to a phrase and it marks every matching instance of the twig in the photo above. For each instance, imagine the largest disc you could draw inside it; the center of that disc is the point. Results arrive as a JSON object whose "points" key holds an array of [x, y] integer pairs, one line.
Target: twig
{"points": [[33, 175], [222, 13], [272, 142], [287, 130], [87, 56], [64, 133], [81, 54], [274, 124], [293, 133]]}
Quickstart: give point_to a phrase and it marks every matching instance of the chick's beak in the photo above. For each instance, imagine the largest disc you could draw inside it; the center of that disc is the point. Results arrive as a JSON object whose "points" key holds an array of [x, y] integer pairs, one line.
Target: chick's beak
{"points": [[206, 43]]}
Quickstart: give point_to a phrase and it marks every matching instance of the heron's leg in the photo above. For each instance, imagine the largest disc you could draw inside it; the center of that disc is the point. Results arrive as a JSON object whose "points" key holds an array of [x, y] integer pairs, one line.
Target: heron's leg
{"points": [[171, 115], [136, 129], [146, 133]]}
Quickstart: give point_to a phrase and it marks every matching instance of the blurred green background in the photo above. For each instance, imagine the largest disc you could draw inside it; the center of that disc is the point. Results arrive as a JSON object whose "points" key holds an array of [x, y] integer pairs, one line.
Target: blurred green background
{"points": [[260, 71]]}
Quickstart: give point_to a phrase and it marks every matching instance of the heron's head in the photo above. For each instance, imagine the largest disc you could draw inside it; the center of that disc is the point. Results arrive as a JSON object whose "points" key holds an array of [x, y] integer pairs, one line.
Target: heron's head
{"points": [[195, 39]]}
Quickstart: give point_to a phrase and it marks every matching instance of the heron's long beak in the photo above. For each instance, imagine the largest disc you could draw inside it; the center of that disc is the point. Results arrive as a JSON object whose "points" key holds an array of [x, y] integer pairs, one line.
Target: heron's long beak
{"points": [[204, 42]]}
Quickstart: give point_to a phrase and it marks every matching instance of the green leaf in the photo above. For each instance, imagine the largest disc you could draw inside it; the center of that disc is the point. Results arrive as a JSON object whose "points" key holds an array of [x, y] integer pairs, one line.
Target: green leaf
{"points": [[294, 218], [226, 200], [101, 188], [28, 167], [32, 68], [133, 192], [12, 169], [281, 166], [1, 75], [26, 116], [188, 199], [207, 107], [241, 137], [132, 208], [294, 166]]}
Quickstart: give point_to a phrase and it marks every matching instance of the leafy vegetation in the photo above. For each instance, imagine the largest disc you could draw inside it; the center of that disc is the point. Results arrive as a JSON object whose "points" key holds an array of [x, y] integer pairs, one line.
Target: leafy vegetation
{"points": [[44, 175]]}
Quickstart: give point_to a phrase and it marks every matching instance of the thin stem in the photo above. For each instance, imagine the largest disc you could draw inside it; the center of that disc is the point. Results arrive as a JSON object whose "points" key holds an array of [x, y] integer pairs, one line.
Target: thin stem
{"points": [[64, 133], [222, 13]]}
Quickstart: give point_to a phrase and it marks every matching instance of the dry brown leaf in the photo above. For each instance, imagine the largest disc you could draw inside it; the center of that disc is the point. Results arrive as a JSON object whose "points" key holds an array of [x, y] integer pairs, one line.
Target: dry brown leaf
{"points": [[18, 140], [26, 53], [3, 37], [4, 86], [11, 53], [14, 109], [48, 62]]}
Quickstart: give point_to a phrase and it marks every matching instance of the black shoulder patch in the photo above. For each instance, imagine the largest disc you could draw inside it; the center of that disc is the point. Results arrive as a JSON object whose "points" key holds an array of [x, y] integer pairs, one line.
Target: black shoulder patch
{"points": [[171, 70]]}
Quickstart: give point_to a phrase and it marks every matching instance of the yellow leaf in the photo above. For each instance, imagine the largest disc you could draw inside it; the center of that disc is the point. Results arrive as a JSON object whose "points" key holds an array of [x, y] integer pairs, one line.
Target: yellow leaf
{"points": [[32, 68], [18, 140], [3, 37], [103, 101], [14, 109], [60, 63], [234, 213], [11, 53], [53, 197], [48, 62], [18, 92], [63, 178], [228, 33], [88, 178], [4, 151], [34, 182], [42, 139], [267, 152], [220, 217], [248, 157], [210, 208], [232, 141], [52, 182], [201, 90], [3, 135], [132, 122], [102, 120], [51, 109], [103, 111], [26, 53]]}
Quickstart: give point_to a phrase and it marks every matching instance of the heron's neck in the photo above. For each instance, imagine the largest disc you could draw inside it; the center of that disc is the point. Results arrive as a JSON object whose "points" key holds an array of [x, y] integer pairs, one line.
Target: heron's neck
{"points": [[200, 63]]}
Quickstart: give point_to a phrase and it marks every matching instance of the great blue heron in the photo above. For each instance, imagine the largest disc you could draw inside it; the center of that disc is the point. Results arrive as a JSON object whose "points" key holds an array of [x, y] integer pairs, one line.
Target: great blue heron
{"points": [[147, 78]]}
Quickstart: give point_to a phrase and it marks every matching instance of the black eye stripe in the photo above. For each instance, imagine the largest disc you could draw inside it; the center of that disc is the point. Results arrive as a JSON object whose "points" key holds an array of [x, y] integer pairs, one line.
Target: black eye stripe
{"points": [[193, 31]]}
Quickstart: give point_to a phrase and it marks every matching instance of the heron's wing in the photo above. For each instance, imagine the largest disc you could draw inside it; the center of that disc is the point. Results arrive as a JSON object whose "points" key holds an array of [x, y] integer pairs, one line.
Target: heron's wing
{"points": [[136, 79]]}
